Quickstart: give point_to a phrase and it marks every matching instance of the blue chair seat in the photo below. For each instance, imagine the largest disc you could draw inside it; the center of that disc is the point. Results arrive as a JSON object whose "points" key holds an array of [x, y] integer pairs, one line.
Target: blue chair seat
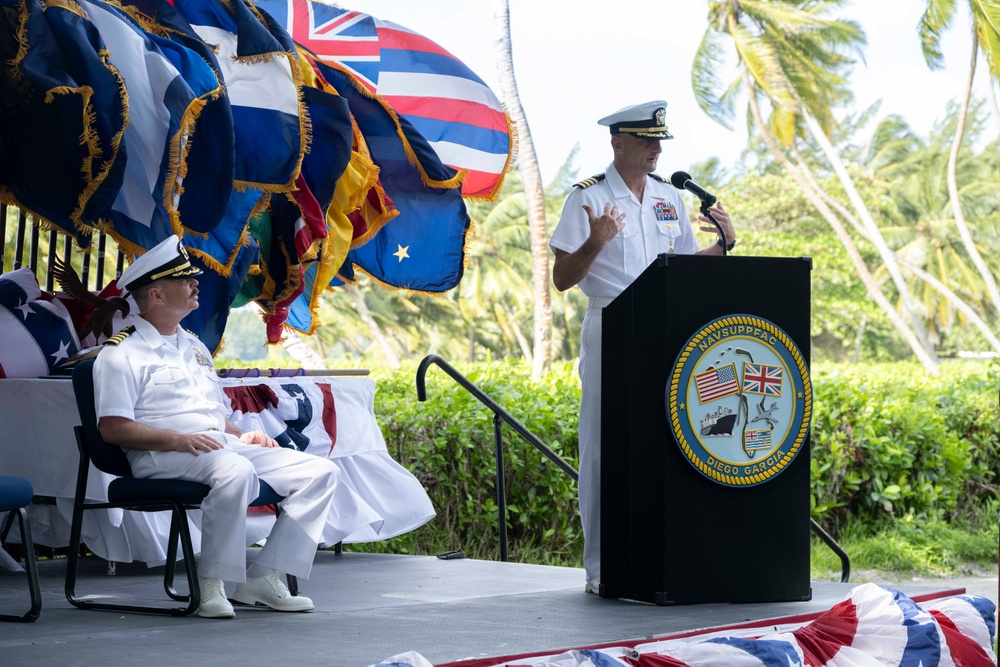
{"points": [[14, 492], [15, 495]]}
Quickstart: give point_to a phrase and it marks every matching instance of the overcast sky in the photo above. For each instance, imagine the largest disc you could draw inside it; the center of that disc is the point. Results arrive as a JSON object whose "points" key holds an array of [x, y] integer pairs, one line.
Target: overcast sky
{"points": [[576, 62]]}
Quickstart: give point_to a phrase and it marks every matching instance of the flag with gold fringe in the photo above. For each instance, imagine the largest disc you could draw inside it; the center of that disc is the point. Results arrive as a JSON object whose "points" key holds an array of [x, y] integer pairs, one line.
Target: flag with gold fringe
{"points": [[262, 80], [62, 115], [444, 100]]}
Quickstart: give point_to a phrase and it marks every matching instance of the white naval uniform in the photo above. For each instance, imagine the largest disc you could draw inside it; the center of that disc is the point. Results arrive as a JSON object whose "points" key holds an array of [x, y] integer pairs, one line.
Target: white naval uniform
{"points": [[658, 224], [146, 379]]}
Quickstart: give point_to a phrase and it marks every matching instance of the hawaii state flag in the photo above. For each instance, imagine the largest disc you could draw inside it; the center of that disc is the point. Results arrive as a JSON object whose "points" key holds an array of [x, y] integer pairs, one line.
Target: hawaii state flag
{"points": [[445, 101]]}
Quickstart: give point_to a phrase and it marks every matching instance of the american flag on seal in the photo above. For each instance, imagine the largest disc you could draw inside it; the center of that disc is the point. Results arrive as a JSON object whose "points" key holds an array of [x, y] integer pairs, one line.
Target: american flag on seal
{"points": [[717, 383]]}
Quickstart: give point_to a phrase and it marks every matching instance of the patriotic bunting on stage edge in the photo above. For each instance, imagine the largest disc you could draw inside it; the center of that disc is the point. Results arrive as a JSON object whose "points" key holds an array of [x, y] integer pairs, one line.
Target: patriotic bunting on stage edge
{"points": [[873, 627]]}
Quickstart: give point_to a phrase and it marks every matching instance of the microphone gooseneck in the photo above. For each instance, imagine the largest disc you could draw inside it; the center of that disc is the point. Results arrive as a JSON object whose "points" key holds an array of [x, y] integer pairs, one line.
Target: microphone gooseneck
{"points": [[682, 181]]}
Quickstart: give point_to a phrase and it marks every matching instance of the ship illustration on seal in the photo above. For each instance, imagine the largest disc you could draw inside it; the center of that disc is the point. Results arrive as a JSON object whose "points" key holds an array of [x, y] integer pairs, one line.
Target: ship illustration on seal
{"points": [[720, 422]]}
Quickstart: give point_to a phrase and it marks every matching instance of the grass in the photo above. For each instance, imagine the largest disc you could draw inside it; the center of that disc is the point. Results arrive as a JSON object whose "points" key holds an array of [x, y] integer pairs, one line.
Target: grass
{"points": [[913, 548]]}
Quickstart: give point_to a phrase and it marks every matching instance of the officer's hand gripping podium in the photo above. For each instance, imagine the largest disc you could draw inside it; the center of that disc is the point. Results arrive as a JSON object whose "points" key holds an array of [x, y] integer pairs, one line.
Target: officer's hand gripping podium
{"points": [[706, 402]]}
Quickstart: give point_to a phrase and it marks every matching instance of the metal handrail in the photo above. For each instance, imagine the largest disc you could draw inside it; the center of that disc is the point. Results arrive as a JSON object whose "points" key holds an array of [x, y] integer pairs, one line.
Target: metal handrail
{"points": [[499, 417], [827, 539]]}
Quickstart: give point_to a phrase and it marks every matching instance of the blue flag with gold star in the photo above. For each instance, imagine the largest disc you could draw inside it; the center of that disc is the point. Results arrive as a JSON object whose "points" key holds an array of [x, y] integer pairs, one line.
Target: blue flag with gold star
{"points": [[423, 248]]}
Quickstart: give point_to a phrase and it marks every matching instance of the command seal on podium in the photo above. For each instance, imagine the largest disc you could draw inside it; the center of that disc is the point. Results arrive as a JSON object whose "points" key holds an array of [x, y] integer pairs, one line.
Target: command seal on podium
{"points": [[739, 400]]}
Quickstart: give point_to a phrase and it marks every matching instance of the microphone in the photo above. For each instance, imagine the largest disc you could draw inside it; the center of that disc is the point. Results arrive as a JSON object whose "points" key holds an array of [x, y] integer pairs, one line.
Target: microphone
{"points": [[682, 181]]}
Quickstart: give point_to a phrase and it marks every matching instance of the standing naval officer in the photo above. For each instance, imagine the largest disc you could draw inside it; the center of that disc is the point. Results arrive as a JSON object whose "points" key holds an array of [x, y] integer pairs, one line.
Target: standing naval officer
{"points": [[612, 227], [158, 397]]}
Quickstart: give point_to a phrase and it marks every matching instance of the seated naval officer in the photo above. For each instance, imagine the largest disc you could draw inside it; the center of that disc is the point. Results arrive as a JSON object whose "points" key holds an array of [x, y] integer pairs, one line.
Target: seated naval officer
{"points": [[158, 397]]}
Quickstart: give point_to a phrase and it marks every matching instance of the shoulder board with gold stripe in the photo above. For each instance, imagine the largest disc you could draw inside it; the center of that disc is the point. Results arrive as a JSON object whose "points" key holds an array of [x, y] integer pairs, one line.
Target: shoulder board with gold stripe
{"points": [[593, 180], [121, 335], [659, 178], [191, 332]]}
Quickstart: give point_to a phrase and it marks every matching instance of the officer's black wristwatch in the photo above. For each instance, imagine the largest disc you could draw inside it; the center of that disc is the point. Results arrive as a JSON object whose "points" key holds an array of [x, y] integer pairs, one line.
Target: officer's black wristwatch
{"points": [[728, 247]]}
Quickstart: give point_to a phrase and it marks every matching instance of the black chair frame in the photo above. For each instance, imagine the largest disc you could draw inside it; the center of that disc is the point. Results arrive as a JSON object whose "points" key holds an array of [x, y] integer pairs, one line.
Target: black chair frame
{"points": [[30, 566]]}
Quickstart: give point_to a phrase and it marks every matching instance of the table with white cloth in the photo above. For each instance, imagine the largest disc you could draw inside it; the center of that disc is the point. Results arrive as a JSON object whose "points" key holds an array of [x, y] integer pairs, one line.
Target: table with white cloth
{"points": [[332, 417]]}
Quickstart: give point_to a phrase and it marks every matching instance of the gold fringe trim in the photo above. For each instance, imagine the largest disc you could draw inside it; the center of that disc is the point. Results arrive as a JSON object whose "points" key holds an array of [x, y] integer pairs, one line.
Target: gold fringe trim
{"points": [[224, 270], [222, 346], [374, 226], [145, 21], [96, 181], [512, 151], [411, 156], [180, 145], [268, 300], [22, 41]]}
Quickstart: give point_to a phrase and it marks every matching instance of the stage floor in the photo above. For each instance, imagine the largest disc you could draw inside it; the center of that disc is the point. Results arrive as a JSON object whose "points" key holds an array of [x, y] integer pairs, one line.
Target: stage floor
{"points": [[369, 607]]}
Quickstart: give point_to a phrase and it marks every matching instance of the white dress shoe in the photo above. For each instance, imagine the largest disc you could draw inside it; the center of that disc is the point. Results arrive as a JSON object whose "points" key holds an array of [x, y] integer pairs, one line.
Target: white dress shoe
{"points": [[593, 586], [270, 591], [213, 600]]}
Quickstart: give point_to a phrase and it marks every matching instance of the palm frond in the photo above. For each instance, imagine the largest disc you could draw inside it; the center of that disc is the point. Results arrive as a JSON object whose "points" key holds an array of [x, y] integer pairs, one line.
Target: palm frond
{"points": [[933, 24], [986, 20], [705, 74]]}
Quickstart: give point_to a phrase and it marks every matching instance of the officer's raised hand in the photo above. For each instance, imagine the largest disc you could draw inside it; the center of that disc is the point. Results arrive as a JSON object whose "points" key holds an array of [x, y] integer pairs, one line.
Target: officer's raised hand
{"points": [[606, 226]]}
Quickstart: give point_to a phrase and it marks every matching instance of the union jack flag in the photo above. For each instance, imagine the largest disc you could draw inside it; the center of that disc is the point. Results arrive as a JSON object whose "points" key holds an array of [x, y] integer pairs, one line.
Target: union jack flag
{"points": [[761, 379], [717, 383], [332, 33]]}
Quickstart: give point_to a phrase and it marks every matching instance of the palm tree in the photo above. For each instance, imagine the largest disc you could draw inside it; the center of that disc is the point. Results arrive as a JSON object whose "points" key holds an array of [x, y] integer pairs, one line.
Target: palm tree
{"points": [[499, 260], [912, 172], [790, 53], [527, 164], [936, 19]]}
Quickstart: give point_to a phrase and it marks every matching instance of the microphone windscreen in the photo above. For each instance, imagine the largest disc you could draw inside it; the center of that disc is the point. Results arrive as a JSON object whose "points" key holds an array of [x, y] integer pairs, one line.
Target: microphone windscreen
{"points": [[679, 178]]}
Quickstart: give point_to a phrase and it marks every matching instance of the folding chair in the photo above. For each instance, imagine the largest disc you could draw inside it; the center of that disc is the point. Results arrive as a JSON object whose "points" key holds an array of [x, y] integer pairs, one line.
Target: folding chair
{"points": [[144, 495], [15, 495]]}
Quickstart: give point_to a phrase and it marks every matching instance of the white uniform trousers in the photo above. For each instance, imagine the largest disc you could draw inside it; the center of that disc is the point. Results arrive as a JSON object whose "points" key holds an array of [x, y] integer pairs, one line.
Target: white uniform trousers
{"points": [[307, 482], [589, 486]]}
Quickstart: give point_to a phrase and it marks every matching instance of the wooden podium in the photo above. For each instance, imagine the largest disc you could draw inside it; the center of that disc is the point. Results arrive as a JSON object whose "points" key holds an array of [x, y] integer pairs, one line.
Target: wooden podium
{"points": [[670, 534]]}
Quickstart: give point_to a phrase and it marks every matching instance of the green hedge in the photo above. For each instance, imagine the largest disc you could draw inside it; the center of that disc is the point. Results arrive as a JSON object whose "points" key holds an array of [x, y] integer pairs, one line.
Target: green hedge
{"points": [[887, 441]]}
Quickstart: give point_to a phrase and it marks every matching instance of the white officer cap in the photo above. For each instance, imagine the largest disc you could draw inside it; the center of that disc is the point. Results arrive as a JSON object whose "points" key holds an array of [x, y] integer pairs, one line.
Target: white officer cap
{"points": [[167, 259], [646, 120]]}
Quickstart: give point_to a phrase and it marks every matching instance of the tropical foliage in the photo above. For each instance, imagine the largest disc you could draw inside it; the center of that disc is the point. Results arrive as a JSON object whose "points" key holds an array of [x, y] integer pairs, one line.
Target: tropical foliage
{"points": [[888, 443]]}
